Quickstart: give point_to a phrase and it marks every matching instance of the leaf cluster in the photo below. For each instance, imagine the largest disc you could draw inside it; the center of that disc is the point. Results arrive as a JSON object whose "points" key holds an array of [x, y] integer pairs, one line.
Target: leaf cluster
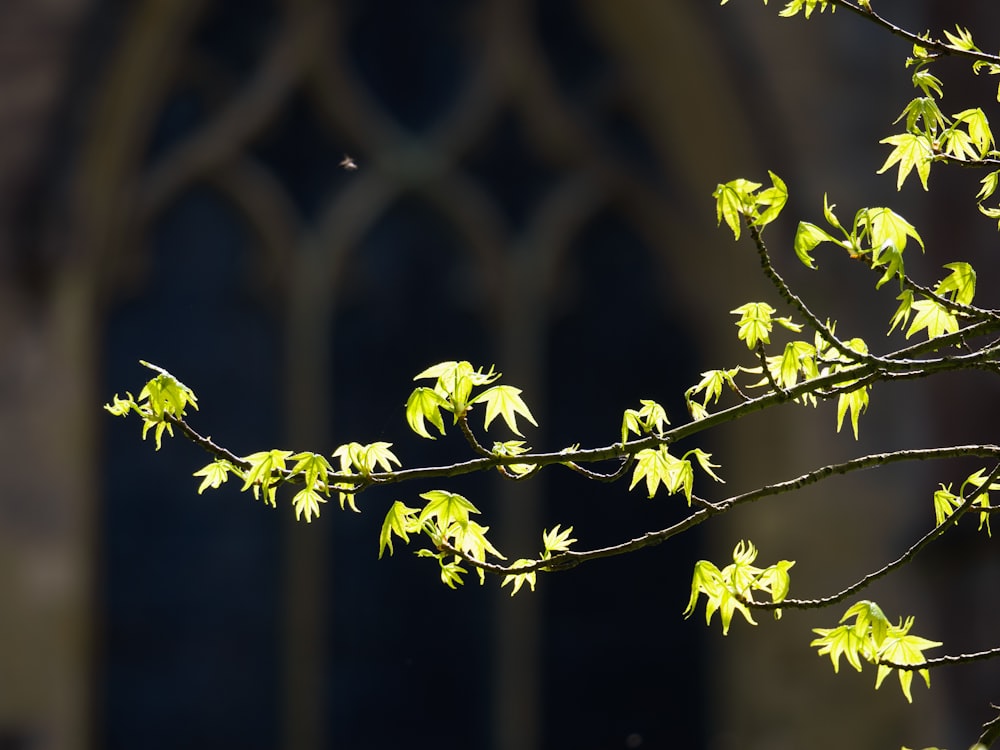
{"points": [[731, 589], [872, 638]]}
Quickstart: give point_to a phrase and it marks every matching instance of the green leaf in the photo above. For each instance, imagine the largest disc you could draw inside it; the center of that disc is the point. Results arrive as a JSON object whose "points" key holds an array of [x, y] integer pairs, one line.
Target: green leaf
{"points": [[945, 504], [924, 109], [899, 647], [840, 641], [657, 466], [868, 619], [215, 474], [711, 383], [979, 133], [505, 401], [446, 508], [902, 314], [165, 394], [733, 199], [519, 579], [887, 228], [960, 284], [932, 316], [911, 151], [857, 402], [774, 200], [776, 580], [793, 361], [978, 479], [455, 381], [705, 461], [989, 186], [121, 407], [314, 468], [365, 458], [755, 323], [961, 39], [928, 83], [425, 404], [807, 237], [267, 469], [649, 419], [306, 502], [401, 520], [471, 539], [451, 572], [514, 448], [795, 6], [556, 540]]}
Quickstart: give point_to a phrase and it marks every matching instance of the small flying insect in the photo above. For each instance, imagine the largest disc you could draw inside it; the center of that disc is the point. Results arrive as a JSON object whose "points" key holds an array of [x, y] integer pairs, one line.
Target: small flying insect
{"points": [[348, 163]]}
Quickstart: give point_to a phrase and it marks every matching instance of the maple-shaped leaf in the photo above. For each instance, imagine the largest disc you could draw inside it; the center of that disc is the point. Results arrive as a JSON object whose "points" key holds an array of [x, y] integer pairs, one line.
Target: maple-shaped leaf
{"points": [[899, 647], [215, 474], [401, 520], [657, 466], [932, 316], [755, 323], [556, 540], [314, 469], [266, 469], [425, 404], [447, 508], [519, 579], [912, 150], [504, 401], [960, 284], [306, 503], [842, 640]]}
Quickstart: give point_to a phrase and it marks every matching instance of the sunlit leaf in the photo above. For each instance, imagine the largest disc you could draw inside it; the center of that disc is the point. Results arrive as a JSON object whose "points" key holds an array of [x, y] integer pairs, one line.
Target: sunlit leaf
{"points": [[306, 503], [911, 151], [401, 520], [425, 405], [505, 401], [214, 474]]}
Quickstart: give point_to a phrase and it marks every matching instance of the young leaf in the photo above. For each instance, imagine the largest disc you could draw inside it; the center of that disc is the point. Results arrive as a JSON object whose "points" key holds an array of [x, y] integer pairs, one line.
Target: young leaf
{"points": [[267, 468], [657, 466], [215, 474], [960, 284], [902, 314], [774, 198], [755, 323], [705, 461], [857, 402], [841, 641], [401, 520], [306, 502], [425, 404], [519, 579], [514, 448], [556, 540], [733, 199], [899, 647], [807, 237], [887, 228], [933, 317], [911, 150], [447, 508], [505, 401], [314, 468]]}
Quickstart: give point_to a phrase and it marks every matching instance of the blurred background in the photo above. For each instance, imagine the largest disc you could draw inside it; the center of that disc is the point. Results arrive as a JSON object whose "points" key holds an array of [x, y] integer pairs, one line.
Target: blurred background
{"points": [[533, 191]]}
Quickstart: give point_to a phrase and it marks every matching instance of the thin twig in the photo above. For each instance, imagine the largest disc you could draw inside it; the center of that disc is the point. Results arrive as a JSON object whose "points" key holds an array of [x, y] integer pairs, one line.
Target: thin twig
{"points": [[870, 578], [933, 45]]}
